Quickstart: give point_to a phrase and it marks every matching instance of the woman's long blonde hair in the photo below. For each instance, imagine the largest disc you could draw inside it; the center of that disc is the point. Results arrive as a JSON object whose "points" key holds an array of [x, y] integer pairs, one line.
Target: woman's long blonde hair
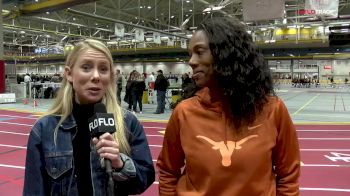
{"points": [[63, 104]]}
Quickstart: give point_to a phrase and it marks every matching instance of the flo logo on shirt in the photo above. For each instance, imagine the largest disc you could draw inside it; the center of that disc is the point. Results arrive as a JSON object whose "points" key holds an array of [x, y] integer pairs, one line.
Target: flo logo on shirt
{"points": [[226, 150]]}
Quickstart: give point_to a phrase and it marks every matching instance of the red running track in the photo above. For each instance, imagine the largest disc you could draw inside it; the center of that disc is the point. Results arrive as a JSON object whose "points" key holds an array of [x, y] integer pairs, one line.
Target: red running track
{"points": [[325, 152]]}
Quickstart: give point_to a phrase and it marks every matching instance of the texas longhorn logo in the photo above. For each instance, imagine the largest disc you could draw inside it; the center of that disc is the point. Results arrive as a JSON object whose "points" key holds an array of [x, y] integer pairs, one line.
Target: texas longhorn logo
{"points": [[226, 150]]}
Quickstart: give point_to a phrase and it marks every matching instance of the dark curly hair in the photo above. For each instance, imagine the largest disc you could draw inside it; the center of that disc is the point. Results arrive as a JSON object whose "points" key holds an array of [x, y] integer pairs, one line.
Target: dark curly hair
{"points": [[239, 68]]}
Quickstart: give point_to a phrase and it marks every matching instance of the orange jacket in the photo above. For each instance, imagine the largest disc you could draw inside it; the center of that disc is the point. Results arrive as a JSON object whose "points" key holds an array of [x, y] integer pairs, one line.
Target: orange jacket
{"points": [[262, 160]]}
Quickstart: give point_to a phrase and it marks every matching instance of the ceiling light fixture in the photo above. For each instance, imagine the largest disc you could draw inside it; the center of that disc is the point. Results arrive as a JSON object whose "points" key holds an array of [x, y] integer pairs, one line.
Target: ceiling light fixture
{"points": [[208, 9]]}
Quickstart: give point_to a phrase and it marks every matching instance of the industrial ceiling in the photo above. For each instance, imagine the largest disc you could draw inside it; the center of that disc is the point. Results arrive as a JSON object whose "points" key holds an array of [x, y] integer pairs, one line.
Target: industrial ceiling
{"points": [[34, 23]]}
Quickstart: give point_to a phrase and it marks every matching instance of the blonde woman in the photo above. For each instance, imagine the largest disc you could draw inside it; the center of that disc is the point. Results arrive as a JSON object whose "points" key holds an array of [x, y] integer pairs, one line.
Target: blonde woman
{"points": [[61, 157]]}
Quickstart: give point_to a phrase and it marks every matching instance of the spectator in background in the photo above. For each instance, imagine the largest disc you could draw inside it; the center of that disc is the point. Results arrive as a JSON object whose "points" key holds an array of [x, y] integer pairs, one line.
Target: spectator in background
{"points": [[27, 80], [119, 79], [232, 135], [186, 80], [128, 87], [160, 85], [151, 80], [137, 88], [6, 79], [55, 78]]}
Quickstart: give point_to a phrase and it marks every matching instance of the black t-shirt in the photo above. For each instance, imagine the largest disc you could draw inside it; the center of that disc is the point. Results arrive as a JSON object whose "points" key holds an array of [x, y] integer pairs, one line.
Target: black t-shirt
{"points": [[81, 148]]}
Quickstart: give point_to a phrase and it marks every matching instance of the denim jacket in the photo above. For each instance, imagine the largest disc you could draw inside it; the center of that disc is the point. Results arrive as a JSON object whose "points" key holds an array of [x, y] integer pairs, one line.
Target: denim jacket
{"points": [[50, 168]]}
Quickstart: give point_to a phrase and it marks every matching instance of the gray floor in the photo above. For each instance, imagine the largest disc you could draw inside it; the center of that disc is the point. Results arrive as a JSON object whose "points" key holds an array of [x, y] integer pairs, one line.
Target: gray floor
{"points": [[306, 105], [317, 105]]}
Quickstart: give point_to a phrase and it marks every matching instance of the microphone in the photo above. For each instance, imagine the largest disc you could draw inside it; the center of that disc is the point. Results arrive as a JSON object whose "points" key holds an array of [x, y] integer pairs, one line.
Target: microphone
{"points": [[102, 122]]}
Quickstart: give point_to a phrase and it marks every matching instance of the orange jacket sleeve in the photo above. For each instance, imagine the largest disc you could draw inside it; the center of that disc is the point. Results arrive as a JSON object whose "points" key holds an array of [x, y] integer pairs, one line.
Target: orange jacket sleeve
{"points": [[286, 154], [171, 158]]}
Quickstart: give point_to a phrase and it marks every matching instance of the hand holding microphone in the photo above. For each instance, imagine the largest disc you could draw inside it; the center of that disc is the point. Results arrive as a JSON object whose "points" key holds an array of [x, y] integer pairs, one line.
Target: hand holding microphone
{"points": [[101, 126], [108, 148]]}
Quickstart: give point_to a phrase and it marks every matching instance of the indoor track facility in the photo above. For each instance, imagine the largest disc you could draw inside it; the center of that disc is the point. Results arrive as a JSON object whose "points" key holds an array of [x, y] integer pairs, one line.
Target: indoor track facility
{"points": [[306, 44]]}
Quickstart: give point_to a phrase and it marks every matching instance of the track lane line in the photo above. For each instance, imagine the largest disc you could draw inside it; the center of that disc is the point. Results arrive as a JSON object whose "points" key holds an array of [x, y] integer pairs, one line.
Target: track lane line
{"points": [[12, 166], [323, 150], [343, 102], [11, 116], [306, 104], [11, 123], [12, 146], [324, 189], [330, 131], [338, 139], [14, 133]]}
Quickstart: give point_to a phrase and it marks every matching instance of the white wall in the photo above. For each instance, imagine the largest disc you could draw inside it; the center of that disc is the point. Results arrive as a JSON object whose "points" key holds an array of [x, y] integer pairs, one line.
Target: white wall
{"points": [[176, 68]]}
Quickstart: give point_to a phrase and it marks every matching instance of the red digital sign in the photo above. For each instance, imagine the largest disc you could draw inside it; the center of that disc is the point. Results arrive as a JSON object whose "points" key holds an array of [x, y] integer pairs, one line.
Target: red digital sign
{"points": [[327, 67]]}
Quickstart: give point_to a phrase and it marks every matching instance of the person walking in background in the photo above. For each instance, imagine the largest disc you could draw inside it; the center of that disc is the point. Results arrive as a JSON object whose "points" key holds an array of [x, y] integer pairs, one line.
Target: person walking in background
{"points": [[138, 86], [230, 135], [160, 85], [119, 79], [63, 159]]}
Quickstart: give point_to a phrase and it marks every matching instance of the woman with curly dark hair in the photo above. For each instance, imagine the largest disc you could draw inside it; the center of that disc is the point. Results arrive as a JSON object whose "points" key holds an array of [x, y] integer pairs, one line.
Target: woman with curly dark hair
{"points": [[232, 134]]}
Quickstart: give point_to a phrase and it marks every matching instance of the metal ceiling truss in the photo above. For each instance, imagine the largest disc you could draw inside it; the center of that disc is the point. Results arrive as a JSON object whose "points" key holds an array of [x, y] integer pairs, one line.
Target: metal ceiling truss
{"points": [[96, 19]]}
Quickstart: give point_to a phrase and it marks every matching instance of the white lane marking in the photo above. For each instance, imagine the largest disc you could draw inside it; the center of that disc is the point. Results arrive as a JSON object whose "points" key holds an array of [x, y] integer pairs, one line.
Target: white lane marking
{"points": [[159, 146], [320, 138], [11, 116], [330, 131], [11, 123], [154, 135], [323, 165], [324, 189], [11, 166], [153, 127], [306, 165], [14, 133], [29, 125], [324, 150], [156, 146], [11, 146], [303, 165]]}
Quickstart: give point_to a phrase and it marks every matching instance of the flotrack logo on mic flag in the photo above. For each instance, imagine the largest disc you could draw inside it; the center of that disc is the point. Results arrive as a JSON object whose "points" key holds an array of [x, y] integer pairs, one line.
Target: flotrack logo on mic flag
{"points": [[101, 123]]}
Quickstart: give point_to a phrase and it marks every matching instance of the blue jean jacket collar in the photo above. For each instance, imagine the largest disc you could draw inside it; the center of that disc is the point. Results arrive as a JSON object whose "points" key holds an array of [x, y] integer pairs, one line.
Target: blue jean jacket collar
{"points": [[68, 123]]}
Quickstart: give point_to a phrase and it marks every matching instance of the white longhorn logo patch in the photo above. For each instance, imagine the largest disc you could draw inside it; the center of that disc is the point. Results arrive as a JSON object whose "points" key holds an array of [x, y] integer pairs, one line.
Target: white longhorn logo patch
{"points": [[226, 150]]}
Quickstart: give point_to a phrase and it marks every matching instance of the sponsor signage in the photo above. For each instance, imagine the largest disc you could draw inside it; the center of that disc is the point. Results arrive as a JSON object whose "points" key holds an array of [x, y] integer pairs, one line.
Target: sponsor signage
{"points": [[327, 67], [320, 8]]}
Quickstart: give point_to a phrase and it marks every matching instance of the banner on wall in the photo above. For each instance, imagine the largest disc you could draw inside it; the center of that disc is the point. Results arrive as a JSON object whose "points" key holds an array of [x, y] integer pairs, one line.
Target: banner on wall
{"points": [[156, 38], [320, 8], [139, 35], [256, 10], [327, 67], [119, 30]]}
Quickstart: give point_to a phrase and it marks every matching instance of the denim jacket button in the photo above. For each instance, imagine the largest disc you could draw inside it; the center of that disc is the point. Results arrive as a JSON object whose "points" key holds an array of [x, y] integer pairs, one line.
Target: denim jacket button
{"points": [[54, 169]]}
